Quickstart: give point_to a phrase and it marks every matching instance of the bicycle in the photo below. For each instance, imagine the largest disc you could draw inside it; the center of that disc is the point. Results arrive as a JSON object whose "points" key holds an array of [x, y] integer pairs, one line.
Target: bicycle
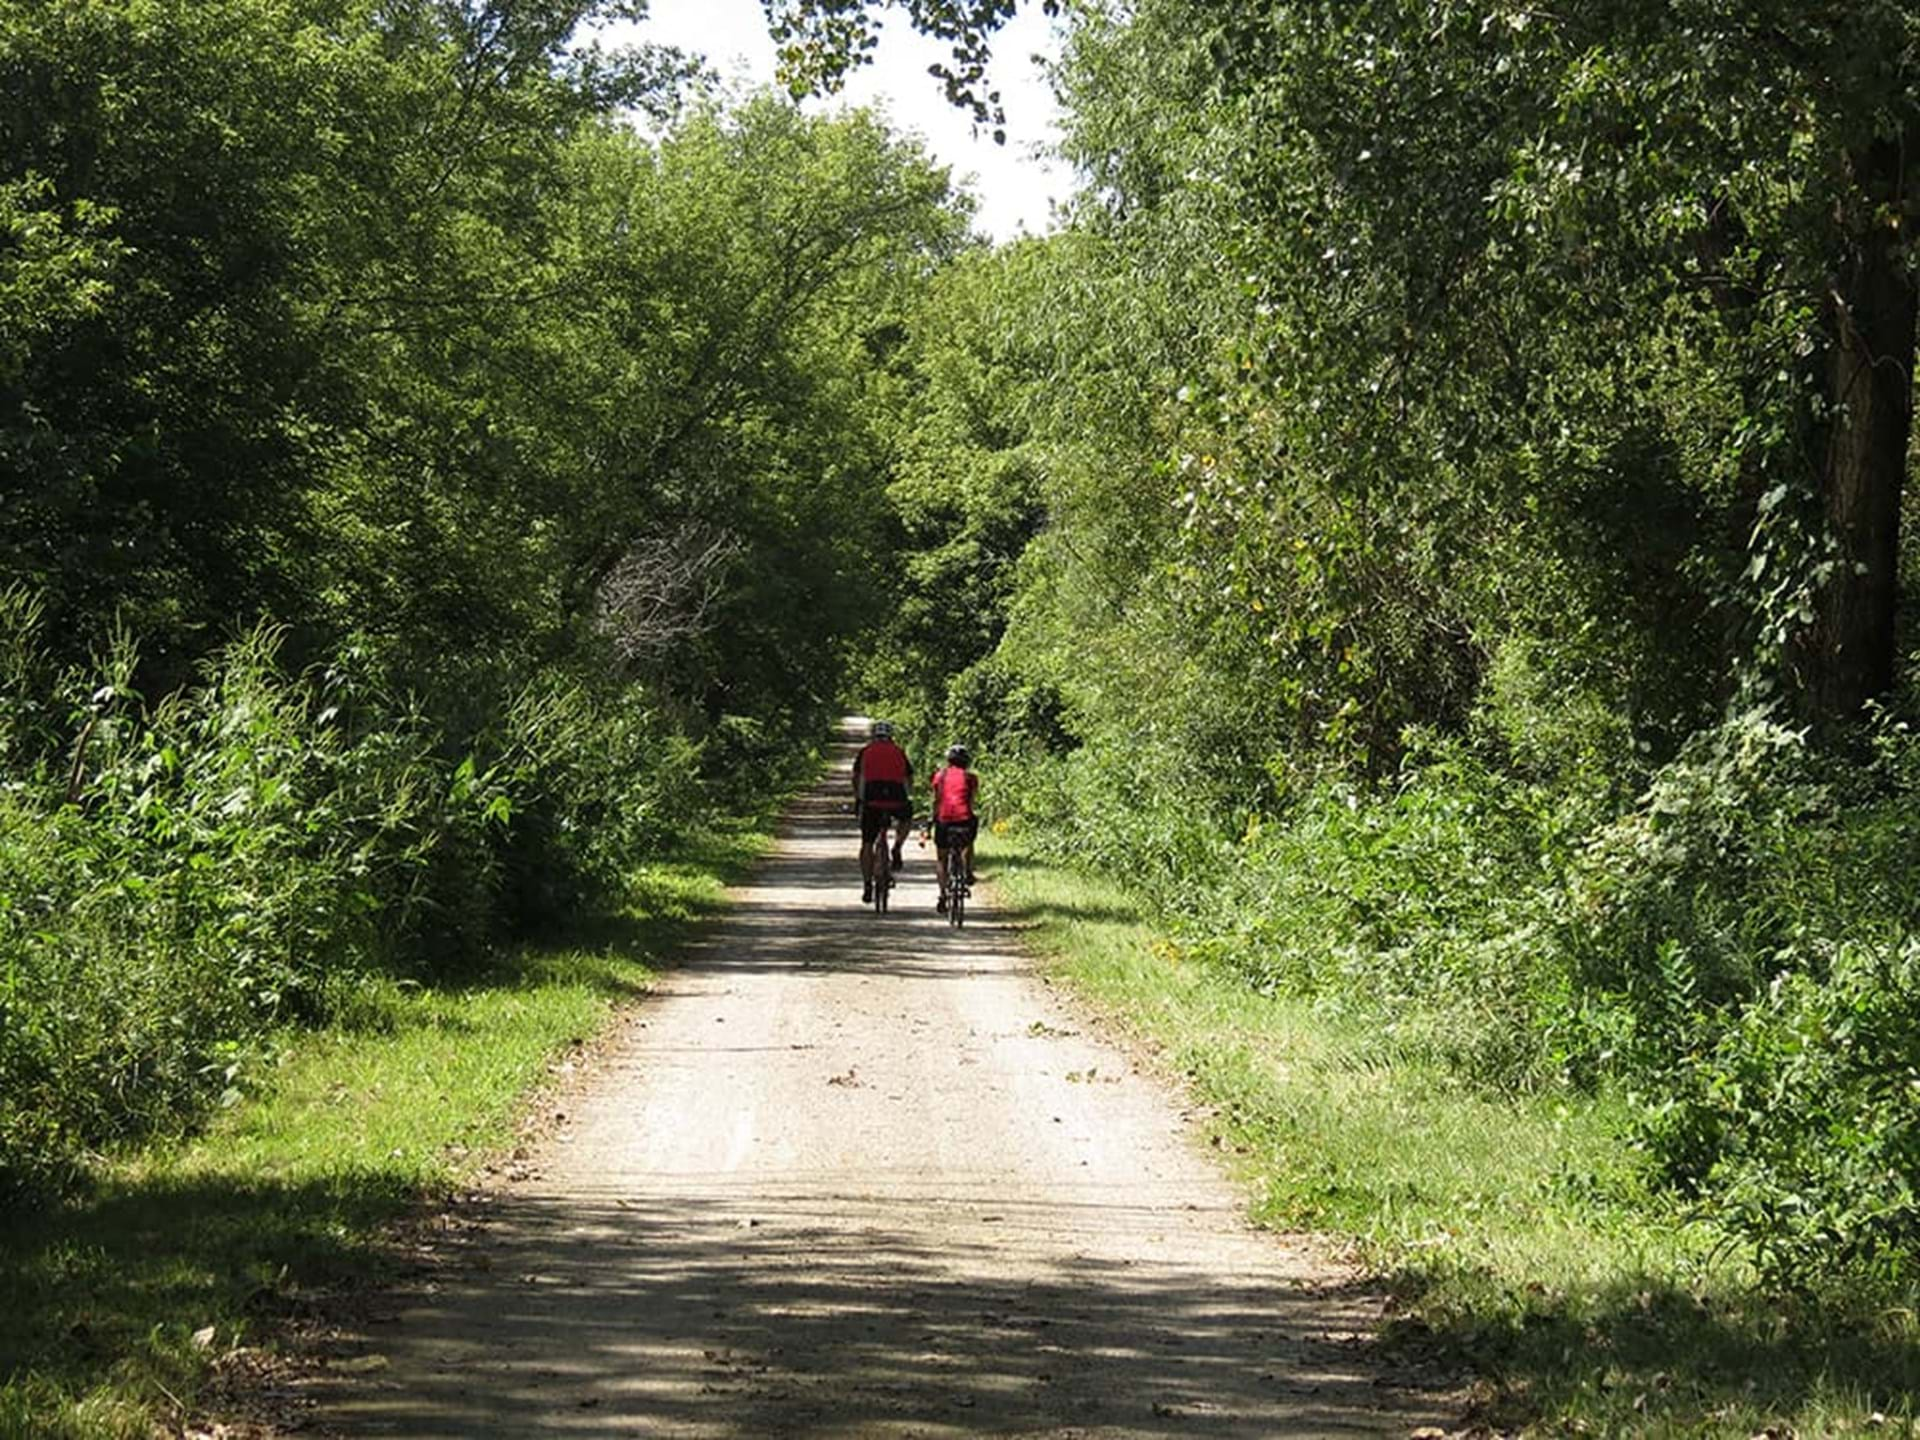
{"points": [[959, 883], [880, 857], [880, 852]]}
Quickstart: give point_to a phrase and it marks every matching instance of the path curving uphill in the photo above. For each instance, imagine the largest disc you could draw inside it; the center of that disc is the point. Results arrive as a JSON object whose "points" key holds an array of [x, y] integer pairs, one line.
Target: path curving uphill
{"points": [[846, 1175]]}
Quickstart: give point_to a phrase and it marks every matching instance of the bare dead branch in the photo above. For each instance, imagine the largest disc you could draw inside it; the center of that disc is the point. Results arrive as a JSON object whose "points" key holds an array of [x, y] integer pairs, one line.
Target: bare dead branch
{"points": [[660, 594]]}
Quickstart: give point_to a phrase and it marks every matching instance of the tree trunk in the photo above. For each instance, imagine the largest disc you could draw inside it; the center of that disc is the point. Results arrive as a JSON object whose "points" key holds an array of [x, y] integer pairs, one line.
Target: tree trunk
{"points": [[1848, 656]]}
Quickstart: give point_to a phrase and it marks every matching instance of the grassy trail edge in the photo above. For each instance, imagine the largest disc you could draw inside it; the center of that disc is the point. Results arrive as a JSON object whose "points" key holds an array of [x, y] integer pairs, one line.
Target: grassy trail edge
{"points": [[183, 1260], [1516, 1235]]}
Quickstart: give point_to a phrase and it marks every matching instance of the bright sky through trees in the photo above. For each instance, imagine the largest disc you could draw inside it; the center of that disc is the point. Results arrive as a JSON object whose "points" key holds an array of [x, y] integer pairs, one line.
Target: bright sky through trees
{"points": [[1016, 185]]}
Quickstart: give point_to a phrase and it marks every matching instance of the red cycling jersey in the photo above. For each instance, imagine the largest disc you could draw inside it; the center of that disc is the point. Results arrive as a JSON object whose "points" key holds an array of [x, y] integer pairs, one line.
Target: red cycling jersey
{"points": [[953, 791], [882, 773]]}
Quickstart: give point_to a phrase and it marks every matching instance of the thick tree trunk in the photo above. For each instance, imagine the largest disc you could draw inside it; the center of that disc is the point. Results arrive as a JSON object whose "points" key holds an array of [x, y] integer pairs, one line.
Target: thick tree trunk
{"points": [[1848, 656]]}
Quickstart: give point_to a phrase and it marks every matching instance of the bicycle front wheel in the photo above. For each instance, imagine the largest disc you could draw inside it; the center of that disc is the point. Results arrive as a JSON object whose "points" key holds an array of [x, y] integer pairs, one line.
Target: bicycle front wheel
{"points": [[956, 889]]}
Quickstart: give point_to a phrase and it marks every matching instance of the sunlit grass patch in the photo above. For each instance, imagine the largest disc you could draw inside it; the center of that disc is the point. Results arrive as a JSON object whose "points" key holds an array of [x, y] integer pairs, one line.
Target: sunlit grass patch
{"points": [[1517, 1234]]}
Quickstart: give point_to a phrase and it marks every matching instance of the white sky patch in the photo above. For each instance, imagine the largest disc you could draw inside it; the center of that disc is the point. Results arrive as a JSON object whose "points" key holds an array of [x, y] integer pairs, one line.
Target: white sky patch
{"points": [[1017, 183]]}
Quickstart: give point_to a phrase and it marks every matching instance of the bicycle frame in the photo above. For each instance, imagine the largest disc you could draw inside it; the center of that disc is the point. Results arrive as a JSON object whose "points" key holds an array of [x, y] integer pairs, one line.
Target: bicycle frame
{"points": [[880, 853], [954, 852]]}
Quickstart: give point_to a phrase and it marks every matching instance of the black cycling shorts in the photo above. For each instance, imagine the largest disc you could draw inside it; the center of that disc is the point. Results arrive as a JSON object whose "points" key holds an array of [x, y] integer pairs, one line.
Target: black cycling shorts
{"points": [[954, 832], [873, 820]]}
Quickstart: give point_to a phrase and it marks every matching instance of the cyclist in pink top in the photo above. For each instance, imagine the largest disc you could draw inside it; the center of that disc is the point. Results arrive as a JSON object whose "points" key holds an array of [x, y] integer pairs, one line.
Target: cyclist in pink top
{"points": [[954, 789]]}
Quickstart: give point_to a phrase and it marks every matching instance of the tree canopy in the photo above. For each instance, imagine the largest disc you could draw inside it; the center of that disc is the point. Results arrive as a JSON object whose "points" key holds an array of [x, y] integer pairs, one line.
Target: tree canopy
{"points": [[424, 492], [1435, 516]]}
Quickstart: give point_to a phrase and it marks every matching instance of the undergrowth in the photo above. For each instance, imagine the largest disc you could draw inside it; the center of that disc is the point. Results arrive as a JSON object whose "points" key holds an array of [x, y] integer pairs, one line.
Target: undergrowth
{"points": [[1731, 956], [168, 1261], [1527, 1237], [182, 875]]}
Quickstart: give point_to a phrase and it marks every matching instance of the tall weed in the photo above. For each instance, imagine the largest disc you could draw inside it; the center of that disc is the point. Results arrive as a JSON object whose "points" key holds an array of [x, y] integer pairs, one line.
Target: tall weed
{"points": [[1734, 947], [588, 782], [178, 877]]}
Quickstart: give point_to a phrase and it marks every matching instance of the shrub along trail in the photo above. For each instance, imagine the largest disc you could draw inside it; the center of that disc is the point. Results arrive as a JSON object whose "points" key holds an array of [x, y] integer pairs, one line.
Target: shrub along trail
{"points": [[861, 1176]]}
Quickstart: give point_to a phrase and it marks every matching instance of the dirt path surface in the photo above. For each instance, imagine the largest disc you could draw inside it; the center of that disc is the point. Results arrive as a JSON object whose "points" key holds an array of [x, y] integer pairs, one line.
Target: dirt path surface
{"points": [[847, 1175]]}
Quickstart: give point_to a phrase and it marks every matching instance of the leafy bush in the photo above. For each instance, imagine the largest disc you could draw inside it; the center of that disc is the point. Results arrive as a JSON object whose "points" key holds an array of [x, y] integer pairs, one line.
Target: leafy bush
{"points": [[1738, 948], [222, 853], [1799, 1128], [1122, 811], [255, 849], [1421, 905], [1680, 871], [595, 781]]}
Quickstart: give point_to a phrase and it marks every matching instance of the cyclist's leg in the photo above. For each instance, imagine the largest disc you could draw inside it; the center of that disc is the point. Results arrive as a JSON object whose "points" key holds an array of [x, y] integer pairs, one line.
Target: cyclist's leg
{"points": [[900, 837], [940, 866], [867, 818]]}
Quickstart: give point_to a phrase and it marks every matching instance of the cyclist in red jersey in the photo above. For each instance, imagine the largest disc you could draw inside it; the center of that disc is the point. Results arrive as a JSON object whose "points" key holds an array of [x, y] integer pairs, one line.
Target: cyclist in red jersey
{"points": [[954, 789], [881, 777]]}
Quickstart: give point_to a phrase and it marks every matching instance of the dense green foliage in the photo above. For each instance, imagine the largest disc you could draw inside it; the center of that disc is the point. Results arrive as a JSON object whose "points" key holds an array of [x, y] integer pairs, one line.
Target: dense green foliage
{"points": [[1431, 525], [421, 495]]}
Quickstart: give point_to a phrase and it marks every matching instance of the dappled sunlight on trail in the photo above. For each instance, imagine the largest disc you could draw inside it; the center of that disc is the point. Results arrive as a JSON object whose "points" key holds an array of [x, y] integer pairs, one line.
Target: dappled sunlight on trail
{"points": [[816, 1312], [858, 1175]]}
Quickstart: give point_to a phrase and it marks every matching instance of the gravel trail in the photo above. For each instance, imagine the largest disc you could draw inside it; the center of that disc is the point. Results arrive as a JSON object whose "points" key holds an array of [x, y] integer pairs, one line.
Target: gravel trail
{"points": [[851, 1176]]}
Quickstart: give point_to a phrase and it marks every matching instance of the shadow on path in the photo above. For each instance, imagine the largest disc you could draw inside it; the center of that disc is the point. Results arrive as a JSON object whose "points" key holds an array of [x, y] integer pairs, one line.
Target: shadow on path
{"points": [[851, 1174], [809, 1314]]}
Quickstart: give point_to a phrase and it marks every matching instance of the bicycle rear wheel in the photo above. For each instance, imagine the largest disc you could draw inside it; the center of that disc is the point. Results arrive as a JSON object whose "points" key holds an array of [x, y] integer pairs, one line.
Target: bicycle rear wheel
{"points": [[882, 873], [956, 888]]}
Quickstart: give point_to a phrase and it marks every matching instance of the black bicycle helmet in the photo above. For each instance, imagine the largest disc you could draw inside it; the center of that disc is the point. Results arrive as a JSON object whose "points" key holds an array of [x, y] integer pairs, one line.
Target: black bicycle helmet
{"points": [[959, 755]]}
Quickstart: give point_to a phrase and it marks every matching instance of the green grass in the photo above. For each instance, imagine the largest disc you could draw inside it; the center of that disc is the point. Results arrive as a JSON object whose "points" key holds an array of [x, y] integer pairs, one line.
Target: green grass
{"points": [[290, 1194], [1516, 1235]]}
